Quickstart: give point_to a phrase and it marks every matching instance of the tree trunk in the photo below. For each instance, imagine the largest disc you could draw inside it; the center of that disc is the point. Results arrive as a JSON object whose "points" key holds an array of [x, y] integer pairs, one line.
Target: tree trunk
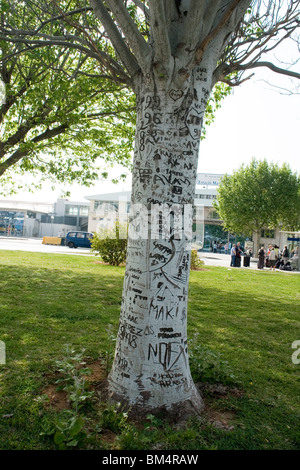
{"points": [[151, 370], [256, 242]]}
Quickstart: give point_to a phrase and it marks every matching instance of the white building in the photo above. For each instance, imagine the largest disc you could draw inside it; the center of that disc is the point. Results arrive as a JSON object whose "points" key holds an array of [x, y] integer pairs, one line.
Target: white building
{"points": [[39, 219], [105, 208]]}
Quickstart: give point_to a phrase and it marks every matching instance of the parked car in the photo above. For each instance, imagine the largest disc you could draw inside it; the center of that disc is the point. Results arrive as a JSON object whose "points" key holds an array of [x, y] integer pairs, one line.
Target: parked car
{"points": [[79, 239]]}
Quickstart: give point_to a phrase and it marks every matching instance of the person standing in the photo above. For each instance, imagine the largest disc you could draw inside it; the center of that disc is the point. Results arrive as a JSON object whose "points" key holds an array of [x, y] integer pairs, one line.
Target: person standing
{"points": [[233, 255], [261, 258], [247, 258], [239, 252], [285, 254], [272, 259]]}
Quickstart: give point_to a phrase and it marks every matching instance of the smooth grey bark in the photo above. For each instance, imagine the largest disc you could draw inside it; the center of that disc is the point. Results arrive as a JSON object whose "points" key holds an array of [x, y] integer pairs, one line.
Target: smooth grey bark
{"points": [[151, 369]]}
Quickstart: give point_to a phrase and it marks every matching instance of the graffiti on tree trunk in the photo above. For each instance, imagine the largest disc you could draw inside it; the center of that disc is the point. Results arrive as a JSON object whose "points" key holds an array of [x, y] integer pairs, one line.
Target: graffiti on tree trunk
{"points": [[152, 348]]}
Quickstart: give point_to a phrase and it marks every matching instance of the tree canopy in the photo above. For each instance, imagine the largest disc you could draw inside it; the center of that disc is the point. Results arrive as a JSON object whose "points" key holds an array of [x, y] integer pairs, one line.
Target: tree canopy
{"points": [[61, 118], [63, 114], [259, 195], [68, 68], [141, 33]]}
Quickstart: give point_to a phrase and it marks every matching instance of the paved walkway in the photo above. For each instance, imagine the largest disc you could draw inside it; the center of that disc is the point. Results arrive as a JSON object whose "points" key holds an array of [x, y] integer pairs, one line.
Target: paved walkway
{"points": [[217, 259], [35, 245]]}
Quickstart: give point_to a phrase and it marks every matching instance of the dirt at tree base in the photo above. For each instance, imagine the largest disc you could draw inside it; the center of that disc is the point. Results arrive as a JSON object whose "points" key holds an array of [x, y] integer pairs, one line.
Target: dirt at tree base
{"points": [[179, 413], [207, 409]]}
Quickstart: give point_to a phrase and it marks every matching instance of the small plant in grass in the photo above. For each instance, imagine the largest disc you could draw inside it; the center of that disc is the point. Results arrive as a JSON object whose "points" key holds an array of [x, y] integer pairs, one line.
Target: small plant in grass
{"points": [[207, 365], [69, 431], [69, 426], [147, 435], [111, 244], [72, 379], [113, 417], [196, 262]]}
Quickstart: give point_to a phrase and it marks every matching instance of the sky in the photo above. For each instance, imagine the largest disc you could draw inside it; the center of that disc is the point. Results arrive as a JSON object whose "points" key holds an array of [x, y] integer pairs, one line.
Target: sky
{"points": [[256, 120]]}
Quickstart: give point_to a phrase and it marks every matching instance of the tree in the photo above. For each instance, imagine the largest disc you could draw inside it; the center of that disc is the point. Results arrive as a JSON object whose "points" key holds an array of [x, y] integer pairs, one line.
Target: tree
{"points": [[172, 53], [258, 196]]}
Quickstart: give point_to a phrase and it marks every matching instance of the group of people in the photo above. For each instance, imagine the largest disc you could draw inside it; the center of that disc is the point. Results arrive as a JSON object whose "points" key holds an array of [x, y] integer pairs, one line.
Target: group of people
{"points": [[236, 252], [272, 258], [275, 258], [217, 247]]}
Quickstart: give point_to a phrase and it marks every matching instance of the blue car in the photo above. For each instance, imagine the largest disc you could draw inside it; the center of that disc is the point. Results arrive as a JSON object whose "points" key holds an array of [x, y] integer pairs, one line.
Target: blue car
{"points": [[78, 239]]}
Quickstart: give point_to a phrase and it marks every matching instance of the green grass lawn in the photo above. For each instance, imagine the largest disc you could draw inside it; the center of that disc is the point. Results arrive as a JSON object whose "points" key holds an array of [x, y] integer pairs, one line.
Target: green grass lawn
{"points": [[250, 318]]}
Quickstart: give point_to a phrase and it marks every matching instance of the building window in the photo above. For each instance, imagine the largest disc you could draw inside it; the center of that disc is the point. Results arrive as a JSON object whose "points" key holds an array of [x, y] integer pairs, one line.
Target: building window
{"points": [[106, 207], [84, 211], [48, 219], [70, 220], [71, 210]]}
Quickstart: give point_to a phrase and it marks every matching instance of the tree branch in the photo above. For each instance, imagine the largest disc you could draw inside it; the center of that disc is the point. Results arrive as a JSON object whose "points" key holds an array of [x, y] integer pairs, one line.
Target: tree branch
{"points": [[160, 32], [23, 129], [14, 158], [63, 16], [111, 113], [191, 24], [258, 35], [15, 138], [211, 16], [50, 133], [114, 35], [135, 40], [142, 7], [11, 100], [104, 59], [19, 154], [269, 65], [54, 41], [217, 29]]}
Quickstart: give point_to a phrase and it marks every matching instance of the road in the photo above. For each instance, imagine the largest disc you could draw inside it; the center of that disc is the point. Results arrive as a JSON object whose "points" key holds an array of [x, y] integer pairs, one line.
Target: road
{"points": [[35, 245], [217, 259]]}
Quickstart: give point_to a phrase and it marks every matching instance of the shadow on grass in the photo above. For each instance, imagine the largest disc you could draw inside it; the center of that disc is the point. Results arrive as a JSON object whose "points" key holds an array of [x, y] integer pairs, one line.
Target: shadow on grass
{"points": [[42, 309]]}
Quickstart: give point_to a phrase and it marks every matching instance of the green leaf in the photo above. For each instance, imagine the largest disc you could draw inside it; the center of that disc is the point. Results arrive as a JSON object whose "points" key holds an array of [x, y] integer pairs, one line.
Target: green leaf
{"points": [[59, 438], [76, 426], [72, 443]]}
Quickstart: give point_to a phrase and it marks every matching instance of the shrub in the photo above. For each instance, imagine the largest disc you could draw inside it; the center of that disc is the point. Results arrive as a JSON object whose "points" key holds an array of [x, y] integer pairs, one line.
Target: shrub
{"points": [[196, 262], [111, 244]]}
